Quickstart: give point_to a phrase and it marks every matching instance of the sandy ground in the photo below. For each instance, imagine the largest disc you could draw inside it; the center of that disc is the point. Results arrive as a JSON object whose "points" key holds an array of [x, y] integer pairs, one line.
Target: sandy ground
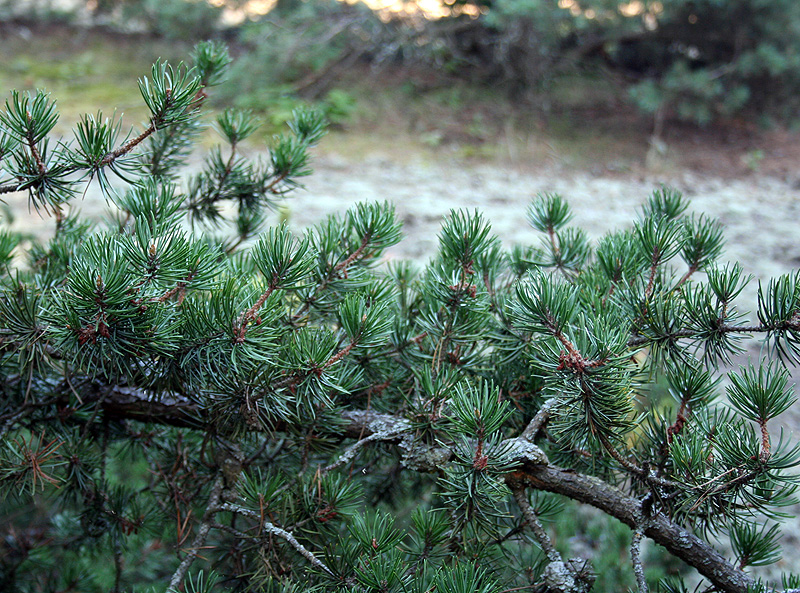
{"points": [[759, 213]]}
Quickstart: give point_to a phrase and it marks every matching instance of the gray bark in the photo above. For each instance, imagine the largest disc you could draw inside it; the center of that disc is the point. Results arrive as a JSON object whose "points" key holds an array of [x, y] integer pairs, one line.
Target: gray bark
{"points": [[534, 471]]}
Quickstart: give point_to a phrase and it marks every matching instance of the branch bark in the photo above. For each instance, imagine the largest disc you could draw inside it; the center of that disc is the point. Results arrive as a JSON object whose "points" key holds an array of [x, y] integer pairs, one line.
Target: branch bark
{"points": [[533, 470], [678, 541]]}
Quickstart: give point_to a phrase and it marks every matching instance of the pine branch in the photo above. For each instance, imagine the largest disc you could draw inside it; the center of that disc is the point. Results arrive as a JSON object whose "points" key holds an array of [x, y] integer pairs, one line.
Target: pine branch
{"points": [[223, 177], [677, 540], [350, 453], [653, 271], [179, 289], [689, 273], [634, 468], [96, 317], [341, 354], [128, 146], [766, 445], [635, 341], [37, 158], [274, 183], [535, 471], [539, 420], [249, 316], [635, 550], [323, 284]]}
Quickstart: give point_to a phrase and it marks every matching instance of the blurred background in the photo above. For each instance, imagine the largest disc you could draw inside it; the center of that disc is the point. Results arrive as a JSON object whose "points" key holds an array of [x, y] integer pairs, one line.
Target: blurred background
{"points": [[481, 78]]}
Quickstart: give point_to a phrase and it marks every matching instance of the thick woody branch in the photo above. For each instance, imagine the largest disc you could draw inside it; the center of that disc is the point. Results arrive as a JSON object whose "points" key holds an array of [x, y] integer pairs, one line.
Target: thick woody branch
{"points": [[170, 409], [678, 541], [540, 419], [350, 452], [534, 471]]}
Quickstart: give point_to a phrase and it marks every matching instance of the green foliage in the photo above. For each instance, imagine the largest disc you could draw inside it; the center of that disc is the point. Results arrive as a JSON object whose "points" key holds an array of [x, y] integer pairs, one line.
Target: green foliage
{"points": [[678, 64], [762, 394], [754, 546], [285, 413], [42, 11], [682, 66], [699, 77], [175, 20]]}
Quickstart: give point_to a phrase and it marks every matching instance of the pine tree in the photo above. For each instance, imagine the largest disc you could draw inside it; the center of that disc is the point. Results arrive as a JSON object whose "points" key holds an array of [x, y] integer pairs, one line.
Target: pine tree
{"points": [[195, 401]]}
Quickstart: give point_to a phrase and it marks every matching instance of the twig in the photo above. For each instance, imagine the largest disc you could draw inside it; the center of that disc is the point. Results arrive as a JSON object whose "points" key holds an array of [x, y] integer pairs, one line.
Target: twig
{"points": [[536, 526], [340, 355], [272, 184], [37, 157], [225, 174], [281, 533], [334, 272], [355, 255], [634, 468], [636, 545], [766, 447], [233, 531], [723, 329], [117, 568], [539, 420], [180, 287], [724, 487], [250, 314], [692, 269], [9, 421], [556, 250], [202, 534], [128, 146], [653, 270], [559, 264], [350, 453], [638, 569]]}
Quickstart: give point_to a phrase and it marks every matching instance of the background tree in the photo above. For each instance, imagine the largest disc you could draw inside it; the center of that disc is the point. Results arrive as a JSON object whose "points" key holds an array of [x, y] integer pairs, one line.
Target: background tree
{"points": [[193, 400], [691, 60]]}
